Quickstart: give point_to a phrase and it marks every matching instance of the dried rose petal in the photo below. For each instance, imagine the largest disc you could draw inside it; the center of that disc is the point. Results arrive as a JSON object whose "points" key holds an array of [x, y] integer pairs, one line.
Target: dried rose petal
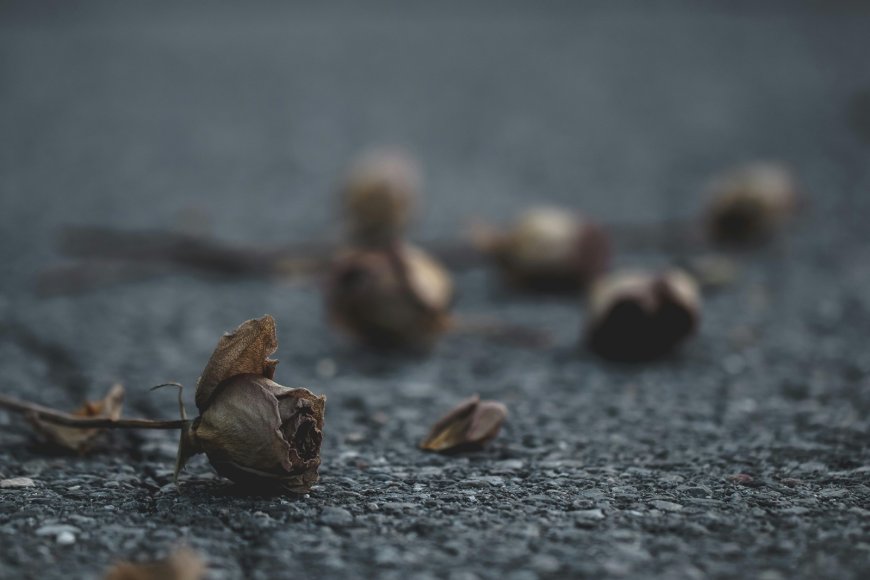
{"points": [[751, 203], [253, 430], [379, 197], [635, 316], [389, 298], [469, 426], [76, 439], [549, 250], [183, 564]]}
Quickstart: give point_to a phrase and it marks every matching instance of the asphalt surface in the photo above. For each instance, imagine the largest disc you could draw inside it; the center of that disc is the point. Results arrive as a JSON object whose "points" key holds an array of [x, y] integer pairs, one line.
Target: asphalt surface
{"points": [[242, 118]]}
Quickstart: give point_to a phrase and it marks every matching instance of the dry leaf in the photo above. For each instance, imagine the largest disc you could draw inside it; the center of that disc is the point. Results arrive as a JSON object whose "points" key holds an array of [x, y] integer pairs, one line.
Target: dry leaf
{"points": [[245, 350], [469, 426], [182, 564], [79, 440]]}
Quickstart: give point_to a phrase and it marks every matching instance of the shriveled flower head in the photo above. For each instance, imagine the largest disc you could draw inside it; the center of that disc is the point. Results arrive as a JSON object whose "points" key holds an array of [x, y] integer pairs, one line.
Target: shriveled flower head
{"points": [[751, 203], [182, 564], [253, 430], [469, 426], [396, 297], [549, 250], [379, 197], [77, 439], [636, 316]]}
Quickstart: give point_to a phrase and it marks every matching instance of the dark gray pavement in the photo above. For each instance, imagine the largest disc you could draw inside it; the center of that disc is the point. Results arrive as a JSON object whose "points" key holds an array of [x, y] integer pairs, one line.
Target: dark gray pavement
{"points": [[166, 115]]}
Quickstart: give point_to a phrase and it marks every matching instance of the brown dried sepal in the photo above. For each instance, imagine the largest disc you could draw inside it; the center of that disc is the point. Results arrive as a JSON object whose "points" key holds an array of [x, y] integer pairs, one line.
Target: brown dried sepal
{"points": [[396, 297], [635, 316], [379, 197], [182, 564], [76, 439], [548, 250], [253, 430], [751, 203], [468, 427]]}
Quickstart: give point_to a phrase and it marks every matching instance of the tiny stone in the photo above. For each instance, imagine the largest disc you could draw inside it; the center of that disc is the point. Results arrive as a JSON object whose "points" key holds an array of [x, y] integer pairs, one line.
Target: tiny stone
{"points": [[335, 516], [16, 482], [66, 538], [666, 506]]}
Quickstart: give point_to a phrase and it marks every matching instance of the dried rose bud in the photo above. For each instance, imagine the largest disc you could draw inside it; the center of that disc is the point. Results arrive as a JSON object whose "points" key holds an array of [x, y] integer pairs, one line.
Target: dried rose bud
{"points": [[379, 197], [182, 564], [253, 430], [468, 427], [549, 250], [392, 297], [751, 203], [76, 439], [636, 316]]}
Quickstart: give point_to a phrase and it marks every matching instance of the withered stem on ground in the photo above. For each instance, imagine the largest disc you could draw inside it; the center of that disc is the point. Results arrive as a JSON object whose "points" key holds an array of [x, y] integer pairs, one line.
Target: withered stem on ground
{"points": [[68, 420]]}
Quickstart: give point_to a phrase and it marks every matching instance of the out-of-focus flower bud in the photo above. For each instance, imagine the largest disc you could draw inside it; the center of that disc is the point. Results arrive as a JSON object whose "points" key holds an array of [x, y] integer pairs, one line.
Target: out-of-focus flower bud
{"points": [[635, 316], [548, 250], [396, 297], [182, 564], [77, 439], [469, 426], [751, 203], [379, 197], [253, 430]]}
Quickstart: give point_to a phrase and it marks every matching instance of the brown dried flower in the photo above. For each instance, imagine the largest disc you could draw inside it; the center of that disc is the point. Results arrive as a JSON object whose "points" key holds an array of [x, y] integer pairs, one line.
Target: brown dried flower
{"points": [[253, 430], [379, 196], [751, 203], [548, 250], [77, 439], [636, 316], [469, 426], [182, 564], [392, 297]]}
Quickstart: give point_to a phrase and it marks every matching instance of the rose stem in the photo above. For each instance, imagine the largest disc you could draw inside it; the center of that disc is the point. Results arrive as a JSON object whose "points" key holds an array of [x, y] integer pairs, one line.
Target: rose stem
{"points": [[68, 420]]}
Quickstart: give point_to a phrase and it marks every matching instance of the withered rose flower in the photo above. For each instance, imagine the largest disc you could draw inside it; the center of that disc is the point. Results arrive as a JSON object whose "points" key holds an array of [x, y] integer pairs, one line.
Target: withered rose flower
{"points": [[77, 439], [395, 297], [468, 427], [751, 203], [379, 196], [548, 250], [253, 430], [635, 316]]}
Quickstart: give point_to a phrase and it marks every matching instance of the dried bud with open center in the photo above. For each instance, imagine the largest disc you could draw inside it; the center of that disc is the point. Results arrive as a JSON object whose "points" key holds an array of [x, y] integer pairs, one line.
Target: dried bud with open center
{"points": [[469, 426], [379, 197], [751, 203], [548, 250], [636, 316], [253, 430], [395, 297], [77, 439]]}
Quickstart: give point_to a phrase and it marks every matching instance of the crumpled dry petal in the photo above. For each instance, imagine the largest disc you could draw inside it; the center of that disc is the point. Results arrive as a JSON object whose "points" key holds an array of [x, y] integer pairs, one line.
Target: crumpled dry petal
{"points": [[76, 439], [469, 426], [390, 298], [182, 564], [245, 350]]}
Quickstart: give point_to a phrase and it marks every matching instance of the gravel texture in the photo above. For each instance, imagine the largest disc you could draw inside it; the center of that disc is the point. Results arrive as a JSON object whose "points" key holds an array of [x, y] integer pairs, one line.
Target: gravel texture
{"points": [[745, 455]]}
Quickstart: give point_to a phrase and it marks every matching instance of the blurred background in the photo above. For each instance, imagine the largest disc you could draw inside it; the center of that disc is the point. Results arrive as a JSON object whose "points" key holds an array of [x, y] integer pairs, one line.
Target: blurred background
{"points": [[239, 121]]}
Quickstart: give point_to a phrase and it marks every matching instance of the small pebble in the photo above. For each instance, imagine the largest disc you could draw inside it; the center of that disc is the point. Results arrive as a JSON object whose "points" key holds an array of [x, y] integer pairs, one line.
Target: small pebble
{"points": [[16, 482], [66, 538]]}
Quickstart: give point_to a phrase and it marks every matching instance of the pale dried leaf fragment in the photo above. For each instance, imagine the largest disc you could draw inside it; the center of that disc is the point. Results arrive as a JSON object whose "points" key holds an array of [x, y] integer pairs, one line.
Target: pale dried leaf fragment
{"points": [[469, 426], [76, 439], [182, 564], [246, 350]]}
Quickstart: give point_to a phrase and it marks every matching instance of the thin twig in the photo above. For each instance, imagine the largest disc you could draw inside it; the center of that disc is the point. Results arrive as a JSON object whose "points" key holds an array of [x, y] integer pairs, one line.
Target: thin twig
{"points": [[60, 418]]}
